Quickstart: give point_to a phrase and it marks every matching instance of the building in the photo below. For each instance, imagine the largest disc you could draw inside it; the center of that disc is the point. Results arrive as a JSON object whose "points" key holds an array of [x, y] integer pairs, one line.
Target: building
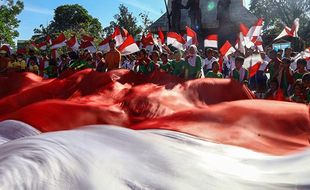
{"points": [[227, 28]]}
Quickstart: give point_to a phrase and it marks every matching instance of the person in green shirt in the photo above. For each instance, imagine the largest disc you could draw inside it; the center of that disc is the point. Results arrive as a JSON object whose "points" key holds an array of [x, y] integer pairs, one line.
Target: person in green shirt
{"points": [[193, 68], [306, 84], [165, 65], [240, 73], [300, 71], [178, 64], [155, 63], [215, 73]]}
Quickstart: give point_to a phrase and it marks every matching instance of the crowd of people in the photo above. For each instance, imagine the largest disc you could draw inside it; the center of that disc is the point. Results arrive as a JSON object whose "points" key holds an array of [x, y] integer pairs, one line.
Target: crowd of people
{"points": [[280, 76]]}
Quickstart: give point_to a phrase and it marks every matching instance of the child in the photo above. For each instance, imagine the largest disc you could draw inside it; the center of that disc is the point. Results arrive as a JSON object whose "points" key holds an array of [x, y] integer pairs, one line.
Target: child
{"points": [[300, 71], [306, 84], [298, 96], [165, 65], [33, 67], [178, 64], [240, 73], [215, 71], [274, 92]]}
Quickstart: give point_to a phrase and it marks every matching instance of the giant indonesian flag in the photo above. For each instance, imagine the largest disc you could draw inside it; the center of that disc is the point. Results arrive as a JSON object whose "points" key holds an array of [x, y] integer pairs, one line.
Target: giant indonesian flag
{"points": [[211, 41], [59, 42], [175, 40], [122, 130], [129, 46]]}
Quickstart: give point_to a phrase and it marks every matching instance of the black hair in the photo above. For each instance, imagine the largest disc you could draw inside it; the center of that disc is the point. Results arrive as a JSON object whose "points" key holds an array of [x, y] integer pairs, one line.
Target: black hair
{"points": [[306, 77], [302, 61], [240, 59]]}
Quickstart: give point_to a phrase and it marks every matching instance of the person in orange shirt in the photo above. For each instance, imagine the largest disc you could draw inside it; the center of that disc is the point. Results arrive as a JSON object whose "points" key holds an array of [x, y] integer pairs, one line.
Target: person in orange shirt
{"points": [[113, 57]]}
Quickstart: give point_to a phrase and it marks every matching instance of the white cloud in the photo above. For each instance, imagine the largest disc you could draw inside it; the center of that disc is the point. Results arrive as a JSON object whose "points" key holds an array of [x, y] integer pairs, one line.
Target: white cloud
{"points": [[142, 6], [38, 10]]}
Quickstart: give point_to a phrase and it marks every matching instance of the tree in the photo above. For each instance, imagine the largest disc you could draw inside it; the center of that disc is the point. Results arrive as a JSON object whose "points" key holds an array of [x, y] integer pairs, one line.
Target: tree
{"points": [[8, 20], [72, 18], [124, 19], [280, 13], [146, 21]]}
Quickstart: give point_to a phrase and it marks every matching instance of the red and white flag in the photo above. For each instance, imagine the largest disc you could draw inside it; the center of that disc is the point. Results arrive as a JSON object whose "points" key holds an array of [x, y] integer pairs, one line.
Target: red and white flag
{"points": [[49, 40], [227, 49], [104, 45], [117, 35], [191, 37], [175, 40], [129, 46], [86, 38], [161, 36], [73, 43], [255, 30], [59, 42], [148, 42], [259, 44], [211, 41], [42, 46], [125, 33], [253, 63], [88, 45], [287, 31]]}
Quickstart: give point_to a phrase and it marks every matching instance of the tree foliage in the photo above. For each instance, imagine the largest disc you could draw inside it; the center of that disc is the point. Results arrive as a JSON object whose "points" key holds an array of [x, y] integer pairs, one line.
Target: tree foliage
{"points": [[124, 19], [70, 19], [8, 20], [146, 21], [280, 13]]}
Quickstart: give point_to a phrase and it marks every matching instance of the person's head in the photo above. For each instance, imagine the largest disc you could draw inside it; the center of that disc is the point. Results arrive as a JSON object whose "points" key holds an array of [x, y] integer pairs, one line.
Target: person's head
{"points": [[112, 43], [155, 56], [263, 55], [215, 54], [193, 50], [286, 62], [279, 55], [73, 55], [288, 51], [274, 85], [301, 64], [298, 87], [306, 80], [32, 61], [64, 57], [272, 54], [209, 53], [31, 52], [143, 53], [164, 57], [99, 55], [178, 55], [215, 67], [239, 62], [20, 57]]}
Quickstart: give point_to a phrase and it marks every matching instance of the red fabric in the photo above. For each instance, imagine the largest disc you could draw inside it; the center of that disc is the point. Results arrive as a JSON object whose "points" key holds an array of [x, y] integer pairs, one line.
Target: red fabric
{"points": [[217, 110]]}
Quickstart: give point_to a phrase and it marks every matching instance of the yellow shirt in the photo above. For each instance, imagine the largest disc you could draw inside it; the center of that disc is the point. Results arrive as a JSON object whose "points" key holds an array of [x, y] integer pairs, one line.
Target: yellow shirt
{"points": [[33, 68]]}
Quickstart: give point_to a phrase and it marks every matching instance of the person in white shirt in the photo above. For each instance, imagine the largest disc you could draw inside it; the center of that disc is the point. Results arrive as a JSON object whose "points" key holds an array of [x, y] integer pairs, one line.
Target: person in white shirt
{"points": [[207, 65]]}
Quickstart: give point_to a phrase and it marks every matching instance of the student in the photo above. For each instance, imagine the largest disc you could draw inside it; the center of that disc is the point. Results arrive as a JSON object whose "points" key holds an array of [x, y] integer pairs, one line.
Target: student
{"points": [[100, 65], [274, 92], [285, 76], [142, 62], [300, 71], [298, 92], [240, 73], [193, 67], [165, 64], [306, 84], [113, 57], [273, 66], [33, 67], [208, 61], [178, 64], [215, 73], [155, 64]]}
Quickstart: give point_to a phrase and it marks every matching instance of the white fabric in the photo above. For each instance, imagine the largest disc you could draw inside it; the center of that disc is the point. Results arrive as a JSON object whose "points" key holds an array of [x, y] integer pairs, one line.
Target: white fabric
{"points": [[208, 63], [105, 157]]}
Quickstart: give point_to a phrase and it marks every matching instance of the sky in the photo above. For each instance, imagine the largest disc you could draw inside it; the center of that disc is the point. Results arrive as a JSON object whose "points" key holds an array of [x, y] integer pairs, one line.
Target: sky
{"points": [[38, 12]]}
